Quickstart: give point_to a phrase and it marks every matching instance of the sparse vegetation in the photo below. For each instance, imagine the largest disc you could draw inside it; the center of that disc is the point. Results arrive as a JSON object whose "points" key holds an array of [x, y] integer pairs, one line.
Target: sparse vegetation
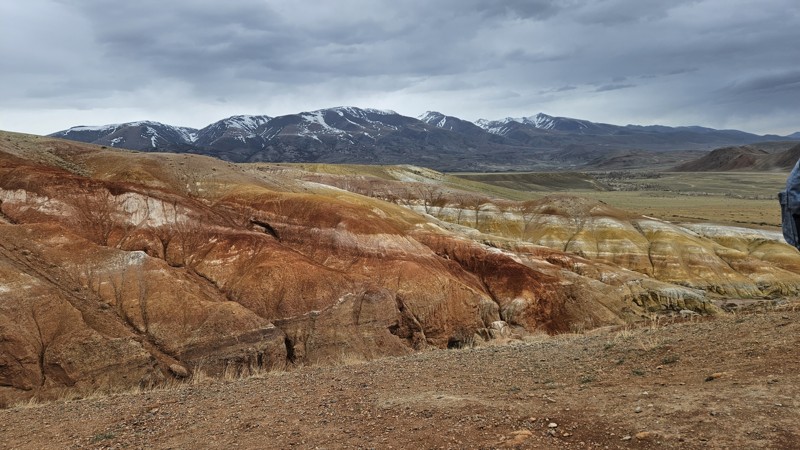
{"points": [[587, 378], [102, 437], [670, 359]]}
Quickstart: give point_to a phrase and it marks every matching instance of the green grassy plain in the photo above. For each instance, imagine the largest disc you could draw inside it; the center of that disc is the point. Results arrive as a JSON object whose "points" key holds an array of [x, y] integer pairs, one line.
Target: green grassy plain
{"points": [[732, 198]]}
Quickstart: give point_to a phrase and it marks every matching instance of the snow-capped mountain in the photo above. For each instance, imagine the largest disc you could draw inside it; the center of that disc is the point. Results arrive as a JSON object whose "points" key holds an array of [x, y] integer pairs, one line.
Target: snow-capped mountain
{"points": [[303, 135], [451, 123], [238, 128], [142, 135], [344, 123], [350, 134], [237, 135], [542, 121], [373, 136], [436, 119], [234, 126]]}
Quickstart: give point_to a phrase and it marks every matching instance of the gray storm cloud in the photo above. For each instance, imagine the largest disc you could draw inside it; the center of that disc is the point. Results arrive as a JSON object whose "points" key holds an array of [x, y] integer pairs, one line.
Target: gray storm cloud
{"points": [[720, 63]]}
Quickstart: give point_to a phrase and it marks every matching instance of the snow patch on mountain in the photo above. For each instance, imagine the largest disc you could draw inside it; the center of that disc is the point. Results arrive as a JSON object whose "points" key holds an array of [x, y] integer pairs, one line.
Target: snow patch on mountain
{"points": [[360, 113], [541, 121], [152, 134], [363, 112], [314, 124], [434, 118], [500, 127], [316, 117], [349, 110], [361, 119], [247, 123], [111, 127]]}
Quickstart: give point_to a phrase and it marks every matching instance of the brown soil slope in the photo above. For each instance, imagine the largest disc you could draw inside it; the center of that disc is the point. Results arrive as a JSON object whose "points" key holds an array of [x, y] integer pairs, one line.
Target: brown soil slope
{"points": [[742, 158], [730, 382]]}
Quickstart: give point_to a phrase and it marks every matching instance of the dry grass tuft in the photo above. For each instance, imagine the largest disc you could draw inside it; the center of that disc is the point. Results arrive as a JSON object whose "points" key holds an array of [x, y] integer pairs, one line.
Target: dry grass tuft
{"points": [[32, 402]]}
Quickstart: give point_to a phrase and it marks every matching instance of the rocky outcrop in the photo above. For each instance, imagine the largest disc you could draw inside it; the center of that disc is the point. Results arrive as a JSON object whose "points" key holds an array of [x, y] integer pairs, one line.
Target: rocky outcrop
{"points": [[525, 297], [361, 326]]}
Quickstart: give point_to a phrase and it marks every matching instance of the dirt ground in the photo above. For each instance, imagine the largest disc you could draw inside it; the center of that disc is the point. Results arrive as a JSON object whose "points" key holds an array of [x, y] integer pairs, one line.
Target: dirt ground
{"points": [[726, 382]]}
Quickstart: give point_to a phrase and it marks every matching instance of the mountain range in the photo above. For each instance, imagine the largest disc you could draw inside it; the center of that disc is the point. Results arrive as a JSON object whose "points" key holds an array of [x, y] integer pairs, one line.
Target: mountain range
{"points": [[372, 136]]}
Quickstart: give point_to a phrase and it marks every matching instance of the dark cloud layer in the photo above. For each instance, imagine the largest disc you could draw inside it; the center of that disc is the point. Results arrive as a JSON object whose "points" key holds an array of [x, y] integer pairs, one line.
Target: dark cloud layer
{"points": [[721, 63]]}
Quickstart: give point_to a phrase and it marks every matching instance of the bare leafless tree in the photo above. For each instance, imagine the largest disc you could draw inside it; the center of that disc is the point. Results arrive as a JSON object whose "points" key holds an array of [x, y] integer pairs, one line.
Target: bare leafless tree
{"points": [[95, 214], [527, 212], [476, 204], [431, 196]]}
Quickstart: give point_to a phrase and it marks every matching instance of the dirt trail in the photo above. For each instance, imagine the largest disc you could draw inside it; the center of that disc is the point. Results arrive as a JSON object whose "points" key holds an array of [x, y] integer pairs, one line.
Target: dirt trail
{"points": [[729, 382]]}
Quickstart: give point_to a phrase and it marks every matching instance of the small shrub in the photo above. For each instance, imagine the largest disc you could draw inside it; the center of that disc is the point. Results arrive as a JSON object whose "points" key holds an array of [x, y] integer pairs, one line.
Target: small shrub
{"points": [[669, 359], [587, 378], [638, 372], [199, 376], [655, 322], [577, 328], [649, 343], [29, 403], [102, 437], [625, 333]]}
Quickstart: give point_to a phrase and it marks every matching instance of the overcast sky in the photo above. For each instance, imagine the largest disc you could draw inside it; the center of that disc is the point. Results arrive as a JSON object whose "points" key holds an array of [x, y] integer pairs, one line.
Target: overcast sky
{"points": [[717, 63]]}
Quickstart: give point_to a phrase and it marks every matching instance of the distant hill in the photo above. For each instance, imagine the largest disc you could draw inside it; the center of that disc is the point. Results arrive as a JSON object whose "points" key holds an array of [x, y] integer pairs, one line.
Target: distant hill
{"points": [[745, 158], [371, 136]]}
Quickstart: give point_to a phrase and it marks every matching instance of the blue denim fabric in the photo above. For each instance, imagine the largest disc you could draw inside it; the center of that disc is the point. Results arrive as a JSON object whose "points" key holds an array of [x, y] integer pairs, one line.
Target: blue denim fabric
{"points": [[790, 207]]}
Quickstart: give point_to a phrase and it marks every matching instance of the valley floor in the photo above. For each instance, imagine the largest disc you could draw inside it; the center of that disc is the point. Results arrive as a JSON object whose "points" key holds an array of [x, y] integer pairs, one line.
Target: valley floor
{"points": [[726, 382]]}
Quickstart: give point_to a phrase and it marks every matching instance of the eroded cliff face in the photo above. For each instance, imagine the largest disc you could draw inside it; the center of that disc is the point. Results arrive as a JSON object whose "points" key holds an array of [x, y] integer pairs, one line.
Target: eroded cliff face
{"points": [[120, 269], [715, 260], [727, 261]]}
